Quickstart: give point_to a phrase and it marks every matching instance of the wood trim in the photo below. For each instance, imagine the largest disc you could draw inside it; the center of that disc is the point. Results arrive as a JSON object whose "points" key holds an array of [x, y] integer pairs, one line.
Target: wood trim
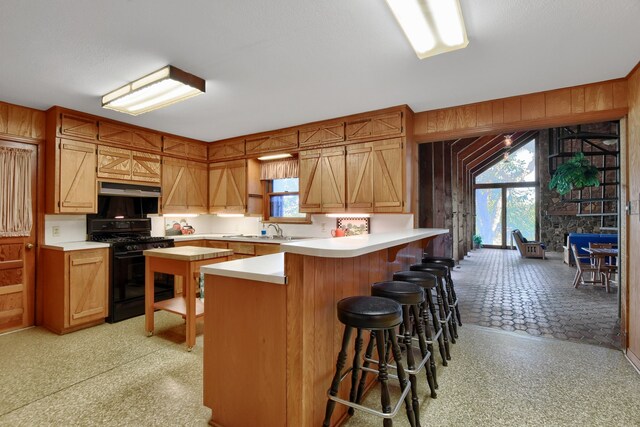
{"points": [[580, 104]]}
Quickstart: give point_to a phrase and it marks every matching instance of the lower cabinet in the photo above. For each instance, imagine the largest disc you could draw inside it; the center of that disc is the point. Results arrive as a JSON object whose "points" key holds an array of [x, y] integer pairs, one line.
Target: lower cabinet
{"points": [[76, 295]]}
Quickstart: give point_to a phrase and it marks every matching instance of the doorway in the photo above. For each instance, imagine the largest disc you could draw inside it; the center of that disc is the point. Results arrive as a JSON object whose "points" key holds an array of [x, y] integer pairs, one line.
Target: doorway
{"points": [[17, 243], [506, 197]]}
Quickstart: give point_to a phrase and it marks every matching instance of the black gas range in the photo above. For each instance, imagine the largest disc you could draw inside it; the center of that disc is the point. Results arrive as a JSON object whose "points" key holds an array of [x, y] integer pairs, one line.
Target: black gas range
{"points": [[128, 238]]}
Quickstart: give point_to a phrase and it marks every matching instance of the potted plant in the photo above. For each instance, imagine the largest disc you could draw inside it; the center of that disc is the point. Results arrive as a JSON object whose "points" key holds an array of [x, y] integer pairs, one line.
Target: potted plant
{"points": [[477, 241], [576, 173]]}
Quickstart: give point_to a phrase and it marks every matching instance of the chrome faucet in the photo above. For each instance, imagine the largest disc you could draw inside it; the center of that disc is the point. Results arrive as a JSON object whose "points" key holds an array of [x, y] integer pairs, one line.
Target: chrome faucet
{"points": [[278, 229]]}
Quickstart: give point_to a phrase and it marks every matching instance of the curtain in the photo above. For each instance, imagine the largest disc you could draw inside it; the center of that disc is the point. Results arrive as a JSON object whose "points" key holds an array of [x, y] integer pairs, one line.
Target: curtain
{"points": [[16, 217], [279, 169]]}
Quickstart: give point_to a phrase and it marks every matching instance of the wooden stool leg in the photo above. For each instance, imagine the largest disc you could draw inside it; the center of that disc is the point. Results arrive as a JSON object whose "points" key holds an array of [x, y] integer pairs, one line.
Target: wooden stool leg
{"points": [[443, 315], [454, 297], [383, 377], [411, 363], [444, 298], [443, 343], [363, 378], [335, 384], [413, 412], [429, 368], [356, 369]]}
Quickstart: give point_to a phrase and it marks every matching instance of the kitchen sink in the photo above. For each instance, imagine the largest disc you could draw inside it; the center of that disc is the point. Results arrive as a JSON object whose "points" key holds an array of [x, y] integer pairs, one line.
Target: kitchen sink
{"points": [[260, 237]]}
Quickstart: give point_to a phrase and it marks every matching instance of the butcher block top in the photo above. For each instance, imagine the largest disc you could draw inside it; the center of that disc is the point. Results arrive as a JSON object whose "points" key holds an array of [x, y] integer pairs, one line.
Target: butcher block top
{"points": [[188, 253]]}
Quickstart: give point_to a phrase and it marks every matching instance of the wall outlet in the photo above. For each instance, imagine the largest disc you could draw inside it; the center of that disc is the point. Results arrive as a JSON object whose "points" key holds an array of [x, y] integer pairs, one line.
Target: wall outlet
{"points": [[55, 231], [323, 227]]}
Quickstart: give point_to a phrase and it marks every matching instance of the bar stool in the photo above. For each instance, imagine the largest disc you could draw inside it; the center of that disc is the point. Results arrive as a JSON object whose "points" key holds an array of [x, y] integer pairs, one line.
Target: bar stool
{"points": [[428, 282], [410, 296], [440, 271], [380, 316], [451, 264]]}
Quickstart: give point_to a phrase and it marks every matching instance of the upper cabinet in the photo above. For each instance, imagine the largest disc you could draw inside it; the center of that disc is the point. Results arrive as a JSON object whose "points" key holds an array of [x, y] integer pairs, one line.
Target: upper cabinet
{"points": [[375, 176], [71, 177], [276, 141], [132, 137], [322, 180], [120, 164], [181, 147], [225, 150], [235, 187], [321, 134], [382, 125], [78, 126], [184, 186]]}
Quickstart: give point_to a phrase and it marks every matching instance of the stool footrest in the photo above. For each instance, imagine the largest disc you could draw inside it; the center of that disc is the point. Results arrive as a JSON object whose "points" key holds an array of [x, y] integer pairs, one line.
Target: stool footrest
{"points": [[413, 371], [367, 409], [433, 339]]}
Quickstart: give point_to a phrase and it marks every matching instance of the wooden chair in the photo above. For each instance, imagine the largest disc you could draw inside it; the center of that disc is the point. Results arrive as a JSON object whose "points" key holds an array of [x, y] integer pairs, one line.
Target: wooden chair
{"points": [[606, 266], [583, 265], [528, 249]]}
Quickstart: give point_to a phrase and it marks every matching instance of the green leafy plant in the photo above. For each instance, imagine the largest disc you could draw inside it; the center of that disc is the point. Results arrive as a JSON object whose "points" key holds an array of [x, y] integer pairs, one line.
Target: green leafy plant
{"points": [[477, 240], [574, 174]]}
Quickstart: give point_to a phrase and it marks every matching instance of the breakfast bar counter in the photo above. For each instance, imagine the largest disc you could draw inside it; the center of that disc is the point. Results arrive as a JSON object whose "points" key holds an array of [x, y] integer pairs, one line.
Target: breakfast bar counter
{"points": [[271, 331]]}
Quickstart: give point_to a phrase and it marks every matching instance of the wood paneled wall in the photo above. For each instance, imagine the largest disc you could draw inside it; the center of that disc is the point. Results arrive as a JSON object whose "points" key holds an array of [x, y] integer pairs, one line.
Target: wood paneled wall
{"points": [[574, 105], [632, 296], [19, 123]]}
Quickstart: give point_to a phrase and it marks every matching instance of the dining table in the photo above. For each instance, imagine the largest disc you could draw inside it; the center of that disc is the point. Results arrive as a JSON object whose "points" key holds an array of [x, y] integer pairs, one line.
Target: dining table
{"points": [[600, 255]]}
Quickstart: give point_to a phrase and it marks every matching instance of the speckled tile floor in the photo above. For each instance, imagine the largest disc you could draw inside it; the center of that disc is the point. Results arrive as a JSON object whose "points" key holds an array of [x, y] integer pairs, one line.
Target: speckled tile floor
{"points": [[112, 375], [499, 289]]}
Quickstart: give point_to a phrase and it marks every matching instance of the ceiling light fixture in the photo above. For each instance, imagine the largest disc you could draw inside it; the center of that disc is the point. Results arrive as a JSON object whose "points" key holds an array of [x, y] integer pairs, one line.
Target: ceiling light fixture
{"points": [[159, 89], [508, 141], [275, 156], [432, 26]]}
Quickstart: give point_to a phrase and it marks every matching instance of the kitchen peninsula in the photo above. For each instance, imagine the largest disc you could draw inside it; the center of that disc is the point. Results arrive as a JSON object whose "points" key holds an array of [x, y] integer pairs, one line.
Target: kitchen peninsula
{"points": [[275, 316]]}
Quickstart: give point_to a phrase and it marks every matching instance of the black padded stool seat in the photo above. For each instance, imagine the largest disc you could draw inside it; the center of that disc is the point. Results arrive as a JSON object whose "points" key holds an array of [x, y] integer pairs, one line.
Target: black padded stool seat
{"points": [[372, 313], [435, 269], [449, 262], [424, 279], [405, 293]]}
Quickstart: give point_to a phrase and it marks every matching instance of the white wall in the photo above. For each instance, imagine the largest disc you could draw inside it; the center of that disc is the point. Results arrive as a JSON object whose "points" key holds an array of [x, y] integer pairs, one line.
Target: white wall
{"points": [[73, 228]]}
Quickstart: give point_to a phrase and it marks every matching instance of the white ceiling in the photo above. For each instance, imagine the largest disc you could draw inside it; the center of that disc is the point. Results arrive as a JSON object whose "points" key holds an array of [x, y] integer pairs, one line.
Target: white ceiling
{"points": [[271, 64]]}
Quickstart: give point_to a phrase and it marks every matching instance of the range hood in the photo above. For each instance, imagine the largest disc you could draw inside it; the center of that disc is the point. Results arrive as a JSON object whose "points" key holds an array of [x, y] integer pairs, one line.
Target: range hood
{"points": [[128, 190]]}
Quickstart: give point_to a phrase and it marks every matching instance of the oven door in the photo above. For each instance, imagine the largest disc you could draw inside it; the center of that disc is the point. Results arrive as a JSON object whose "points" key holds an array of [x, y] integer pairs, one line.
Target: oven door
{"points": [[127, 285]]}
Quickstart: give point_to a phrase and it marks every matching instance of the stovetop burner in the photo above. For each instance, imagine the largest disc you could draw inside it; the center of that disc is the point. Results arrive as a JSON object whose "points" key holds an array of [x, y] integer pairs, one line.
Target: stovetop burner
{"points": [[110, 238]]}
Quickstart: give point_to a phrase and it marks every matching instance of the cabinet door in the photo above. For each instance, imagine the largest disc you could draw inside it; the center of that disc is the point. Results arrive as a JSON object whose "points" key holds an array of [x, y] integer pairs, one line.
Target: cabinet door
{"points": [[333, 179], [134, 138], [282, 141], [197, 187], [310, 181], [174, 185], [114, 163], [145, 167], [78, 126], [321, 134], [226, 150], [184, 148], [228, 187], [88, 290], [360, 177], [77, 175], [389, 124], [197, 151], [388, 168]]}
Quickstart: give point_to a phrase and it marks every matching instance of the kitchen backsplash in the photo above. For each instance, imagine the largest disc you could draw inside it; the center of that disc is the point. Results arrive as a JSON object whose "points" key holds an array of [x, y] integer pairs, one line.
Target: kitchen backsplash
{"points": [[73, 228]]}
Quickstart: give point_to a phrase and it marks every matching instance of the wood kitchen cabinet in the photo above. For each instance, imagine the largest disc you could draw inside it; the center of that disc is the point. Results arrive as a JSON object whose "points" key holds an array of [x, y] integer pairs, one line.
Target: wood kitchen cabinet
{"points": [[234, 187], [125, 165], [181, 147], [381, 125], [375, 176], [225, 150], [71, 177], [273, 141], [321, 134], [322, 180], [184, 186], [75, 125], [113, 133], [76, 290]]}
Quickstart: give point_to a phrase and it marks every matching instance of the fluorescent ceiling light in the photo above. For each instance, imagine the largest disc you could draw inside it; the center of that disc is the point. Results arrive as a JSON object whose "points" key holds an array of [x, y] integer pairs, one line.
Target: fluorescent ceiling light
{"points": [[230, 215], [348, 215], [432, 26], [159, 89], [275, 156]]}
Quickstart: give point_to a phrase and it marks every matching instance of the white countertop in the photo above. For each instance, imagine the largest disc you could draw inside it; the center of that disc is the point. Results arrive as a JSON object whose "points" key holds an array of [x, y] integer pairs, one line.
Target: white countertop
{"points": [[270, 268], [353, 246], [265, 268], [75, 246]]}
